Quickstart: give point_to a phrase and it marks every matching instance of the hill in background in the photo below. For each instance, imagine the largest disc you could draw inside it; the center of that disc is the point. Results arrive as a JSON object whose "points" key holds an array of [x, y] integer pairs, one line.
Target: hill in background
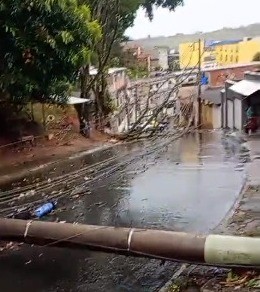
{"points": [[173, 42]]}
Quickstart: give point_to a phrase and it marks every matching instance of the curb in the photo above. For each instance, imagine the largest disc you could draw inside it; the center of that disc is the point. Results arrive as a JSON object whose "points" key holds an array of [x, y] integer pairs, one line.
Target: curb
{"points": [[189, 267], [177, 274], [219, 228], [9, 178]]}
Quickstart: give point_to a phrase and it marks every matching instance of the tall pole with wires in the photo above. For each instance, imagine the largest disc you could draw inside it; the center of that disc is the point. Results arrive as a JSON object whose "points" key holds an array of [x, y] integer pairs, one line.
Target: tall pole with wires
{"points": [[199, 86]]}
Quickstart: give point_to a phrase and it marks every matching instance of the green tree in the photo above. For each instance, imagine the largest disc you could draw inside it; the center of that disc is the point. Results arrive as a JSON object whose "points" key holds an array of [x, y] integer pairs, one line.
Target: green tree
{"points": [[43, 45], [115, 16], [169, 4]]}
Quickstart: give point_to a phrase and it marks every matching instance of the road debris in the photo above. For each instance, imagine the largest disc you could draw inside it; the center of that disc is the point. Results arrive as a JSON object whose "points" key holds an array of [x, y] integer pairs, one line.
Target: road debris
{"points": [[45, 209]]}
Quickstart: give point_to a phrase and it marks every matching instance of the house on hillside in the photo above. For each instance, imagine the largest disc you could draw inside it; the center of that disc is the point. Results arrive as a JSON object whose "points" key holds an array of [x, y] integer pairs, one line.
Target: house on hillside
{"points": [[168, 59], [118, 86], [210, 105], [191, 53], [187, 77], [163, 53], [215, 112], [162, 92], [218, 53], [152, 93], [237, 97], [137, 56], [236, 51], [217, 76], [174, 60]]}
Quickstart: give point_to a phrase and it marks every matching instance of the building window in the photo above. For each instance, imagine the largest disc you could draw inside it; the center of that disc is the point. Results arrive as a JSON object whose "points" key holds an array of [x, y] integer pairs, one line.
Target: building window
{"points": [[237, 48], [226, 59], [192, 47], [231, 58], [237, 59]]}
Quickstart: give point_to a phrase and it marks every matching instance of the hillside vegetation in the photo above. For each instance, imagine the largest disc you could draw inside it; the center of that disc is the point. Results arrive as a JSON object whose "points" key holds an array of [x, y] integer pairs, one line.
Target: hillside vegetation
{"points": [[252, 30]]}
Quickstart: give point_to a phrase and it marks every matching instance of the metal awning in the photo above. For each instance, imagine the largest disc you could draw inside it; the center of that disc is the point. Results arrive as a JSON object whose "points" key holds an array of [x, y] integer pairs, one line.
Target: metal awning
{"points": [[246, 87], [69, 100], [76, 100]]}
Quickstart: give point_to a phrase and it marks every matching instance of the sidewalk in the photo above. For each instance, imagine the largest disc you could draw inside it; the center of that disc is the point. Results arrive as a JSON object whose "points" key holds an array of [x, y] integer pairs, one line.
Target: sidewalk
{"points": [[244, 221], [16, 164]]}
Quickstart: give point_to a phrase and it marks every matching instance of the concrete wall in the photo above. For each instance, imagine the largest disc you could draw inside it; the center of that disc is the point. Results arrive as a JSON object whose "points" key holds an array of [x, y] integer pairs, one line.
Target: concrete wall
{"points": [[230, 115], [238, 114], [163, 58], [247, 50], [237, 53], [255, 76], [211, 116], [117, 80], [189, 54], [216, 117], [207, 116]]}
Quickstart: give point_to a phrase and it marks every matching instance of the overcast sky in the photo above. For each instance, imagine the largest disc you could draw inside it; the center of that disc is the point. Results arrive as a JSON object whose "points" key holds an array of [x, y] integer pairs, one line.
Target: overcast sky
{"points": [[197, 15]]}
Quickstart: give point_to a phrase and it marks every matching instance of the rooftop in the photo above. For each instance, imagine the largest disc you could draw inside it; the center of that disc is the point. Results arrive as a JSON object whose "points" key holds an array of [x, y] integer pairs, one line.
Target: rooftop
{"points": [[94, 71], [225, 42], [253, 73], [212, 94], [246, 87], [232, 66]]}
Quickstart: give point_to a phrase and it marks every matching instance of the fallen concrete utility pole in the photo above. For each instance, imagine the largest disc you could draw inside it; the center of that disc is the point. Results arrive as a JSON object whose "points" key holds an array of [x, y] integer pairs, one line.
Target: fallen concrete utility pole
{"points": [[212, 249]]}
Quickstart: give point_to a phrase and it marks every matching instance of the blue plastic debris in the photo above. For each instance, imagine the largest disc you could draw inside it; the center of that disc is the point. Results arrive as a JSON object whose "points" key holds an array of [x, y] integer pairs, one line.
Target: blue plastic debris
{"points": [[45, 209]]}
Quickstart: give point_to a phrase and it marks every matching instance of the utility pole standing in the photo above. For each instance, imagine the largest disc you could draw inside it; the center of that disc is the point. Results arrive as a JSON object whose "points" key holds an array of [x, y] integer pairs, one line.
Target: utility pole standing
{"points": [[199, 87]]}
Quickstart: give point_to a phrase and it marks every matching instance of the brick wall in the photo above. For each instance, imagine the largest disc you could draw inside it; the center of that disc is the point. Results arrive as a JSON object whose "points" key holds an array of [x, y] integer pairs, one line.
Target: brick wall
{"points": [[219, 76]]}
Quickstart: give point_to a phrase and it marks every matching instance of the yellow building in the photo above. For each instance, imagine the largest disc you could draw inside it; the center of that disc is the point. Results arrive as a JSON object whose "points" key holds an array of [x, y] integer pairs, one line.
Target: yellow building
{"points": [[189, 54], [221, 53], [237, 52]]}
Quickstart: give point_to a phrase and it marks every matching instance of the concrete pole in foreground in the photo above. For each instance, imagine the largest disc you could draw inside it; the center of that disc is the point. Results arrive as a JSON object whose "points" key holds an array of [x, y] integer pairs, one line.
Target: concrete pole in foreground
{"points": [[212, 249]]}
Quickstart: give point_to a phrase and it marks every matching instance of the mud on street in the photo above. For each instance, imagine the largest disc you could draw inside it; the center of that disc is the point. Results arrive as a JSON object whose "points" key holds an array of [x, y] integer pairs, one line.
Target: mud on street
{"points": [[189, 185]]}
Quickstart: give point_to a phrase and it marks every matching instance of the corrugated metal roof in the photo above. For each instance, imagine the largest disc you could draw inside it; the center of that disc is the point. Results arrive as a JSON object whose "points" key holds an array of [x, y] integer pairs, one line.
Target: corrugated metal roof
{"points": [[246, 87], [225, 42], [94, 71], [70, 100], [76, 100]]}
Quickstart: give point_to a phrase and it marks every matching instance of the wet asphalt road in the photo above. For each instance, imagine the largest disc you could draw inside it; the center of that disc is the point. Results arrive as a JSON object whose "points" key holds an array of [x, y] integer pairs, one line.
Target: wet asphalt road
{"points": [[188, 186]]}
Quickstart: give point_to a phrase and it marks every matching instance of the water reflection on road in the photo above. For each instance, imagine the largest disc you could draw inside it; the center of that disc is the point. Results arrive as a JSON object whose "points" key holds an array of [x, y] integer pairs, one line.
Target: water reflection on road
{"points": [[189, 187]]}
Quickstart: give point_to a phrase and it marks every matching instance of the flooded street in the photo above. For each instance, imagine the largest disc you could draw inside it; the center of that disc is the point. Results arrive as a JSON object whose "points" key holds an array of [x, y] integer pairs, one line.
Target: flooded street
{"points": [[188, 186]]}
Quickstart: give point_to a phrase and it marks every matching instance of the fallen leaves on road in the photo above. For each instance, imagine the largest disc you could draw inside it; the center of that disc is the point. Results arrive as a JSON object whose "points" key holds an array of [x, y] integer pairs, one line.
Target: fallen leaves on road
{"points": [[174, 288], [238, 280]]}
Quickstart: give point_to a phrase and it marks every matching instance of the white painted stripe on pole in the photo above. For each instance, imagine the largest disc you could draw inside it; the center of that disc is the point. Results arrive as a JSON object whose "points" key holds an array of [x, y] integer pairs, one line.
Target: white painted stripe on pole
{"points": [[221, 249]]}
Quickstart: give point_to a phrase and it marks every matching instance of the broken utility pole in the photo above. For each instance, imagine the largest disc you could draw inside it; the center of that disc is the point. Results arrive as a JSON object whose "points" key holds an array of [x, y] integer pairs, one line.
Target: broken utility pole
{"points": [[173, 246], [199, 120]]}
